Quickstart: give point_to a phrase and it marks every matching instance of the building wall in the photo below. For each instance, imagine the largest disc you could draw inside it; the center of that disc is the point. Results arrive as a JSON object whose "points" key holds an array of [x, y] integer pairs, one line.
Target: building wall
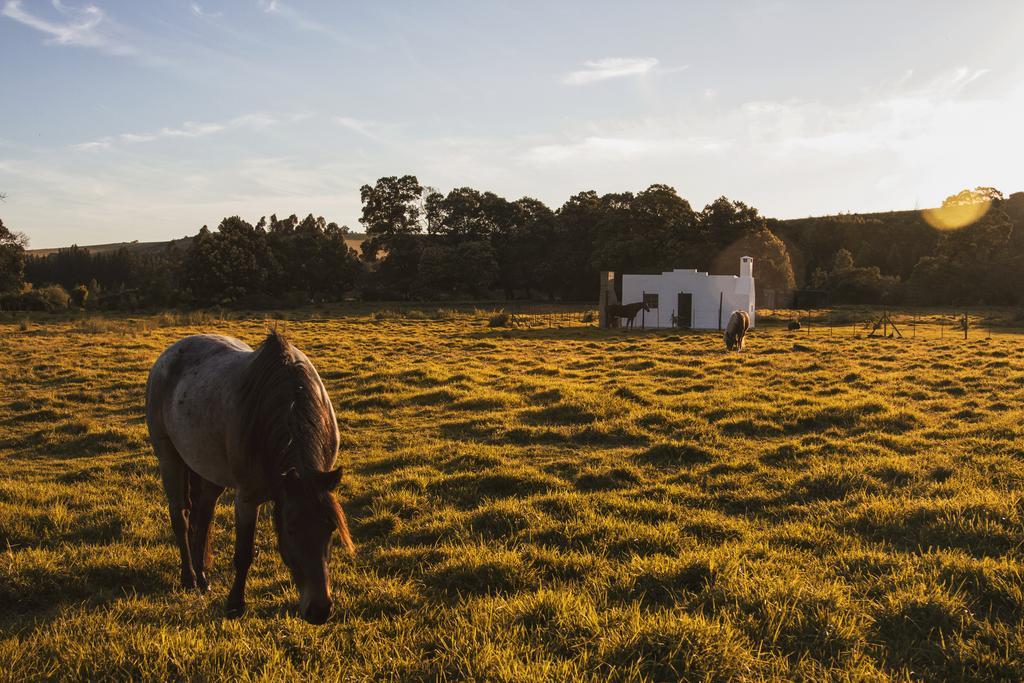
{"points": [[737, 293]]}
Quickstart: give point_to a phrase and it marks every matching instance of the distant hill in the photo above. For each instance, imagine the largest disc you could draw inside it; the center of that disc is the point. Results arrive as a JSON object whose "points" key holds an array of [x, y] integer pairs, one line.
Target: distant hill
{"points": [[894, 241], [134, 245], [353, 240]]}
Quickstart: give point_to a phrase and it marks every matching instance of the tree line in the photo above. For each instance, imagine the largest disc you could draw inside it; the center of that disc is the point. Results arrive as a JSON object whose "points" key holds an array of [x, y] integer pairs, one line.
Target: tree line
{"points": [[422, 244]]}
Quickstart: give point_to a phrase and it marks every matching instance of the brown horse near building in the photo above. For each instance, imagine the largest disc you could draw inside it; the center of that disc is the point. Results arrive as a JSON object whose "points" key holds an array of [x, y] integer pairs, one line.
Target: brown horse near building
{"points": [[627, 312]]}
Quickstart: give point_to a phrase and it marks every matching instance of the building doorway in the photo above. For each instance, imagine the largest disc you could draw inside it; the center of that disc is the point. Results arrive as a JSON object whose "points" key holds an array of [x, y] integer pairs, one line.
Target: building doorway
{"points": [[684, 310]]}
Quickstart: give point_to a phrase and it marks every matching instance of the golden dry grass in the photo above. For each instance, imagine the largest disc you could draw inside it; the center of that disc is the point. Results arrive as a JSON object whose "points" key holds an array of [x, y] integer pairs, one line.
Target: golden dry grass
{"points": [[536, 504]]}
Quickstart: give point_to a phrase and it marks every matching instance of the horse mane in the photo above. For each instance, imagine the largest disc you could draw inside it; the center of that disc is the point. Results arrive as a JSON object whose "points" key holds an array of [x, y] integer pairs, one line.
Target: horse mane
{"points": [[285, 421], [338, 517]]}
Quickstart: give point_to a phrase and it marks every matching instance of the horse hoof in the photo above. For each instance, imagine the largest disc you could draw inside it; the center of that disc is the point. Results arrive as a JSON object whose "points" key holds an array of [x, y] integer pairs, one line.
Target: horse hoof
{"points": [[235, 611], [202, 583], [188, 582]]}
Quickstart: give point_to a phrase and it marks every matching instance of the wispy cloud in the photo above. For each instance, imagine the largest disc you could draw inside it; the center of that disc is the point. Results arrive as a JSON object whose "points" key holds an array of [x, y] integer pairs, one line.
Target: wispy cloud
{"points": [[952, 82], [610, 67], [296, 177], [198, 10], [93, 145], [193, 129], [606, 148], [86, 26], [303, 22], [368, 129]]}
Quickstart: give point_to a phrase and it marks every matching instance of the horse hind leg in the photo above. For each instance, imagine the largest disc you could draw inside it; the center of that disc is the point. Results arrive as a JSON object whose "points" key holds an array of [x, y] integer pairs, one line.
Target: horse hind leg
{"points": [[175, 476], [246, 515], [204, 496]]}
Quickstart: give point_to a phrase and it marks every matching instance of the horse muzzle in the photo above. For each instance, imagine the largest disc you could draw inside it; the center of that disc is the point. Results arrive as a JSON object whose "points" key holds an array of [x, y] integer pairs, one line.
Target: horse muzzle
{"points": [[318, 612]]}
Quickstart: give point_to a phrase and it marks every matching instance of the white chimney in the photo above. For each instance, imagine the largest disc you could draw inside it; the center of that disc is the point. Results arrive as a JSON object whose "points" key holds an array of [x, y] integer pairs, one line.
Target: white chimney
{"points": [[746, 266]]}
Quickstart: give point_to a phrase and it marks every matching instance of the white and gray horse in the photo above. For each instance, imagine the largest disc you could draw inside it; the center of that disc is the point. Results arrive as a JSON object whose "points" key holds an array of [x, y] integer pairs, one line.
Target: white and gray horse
{"points": [[736, 330], [222, 415]]}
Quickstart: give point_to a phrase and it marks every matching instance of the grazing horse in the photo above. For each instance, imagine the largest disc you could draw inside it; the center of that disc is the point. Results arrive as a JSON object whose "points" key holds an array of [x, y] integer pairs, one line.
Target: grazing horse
{"points": [[222, 415], [627, 311], [736, 330]]}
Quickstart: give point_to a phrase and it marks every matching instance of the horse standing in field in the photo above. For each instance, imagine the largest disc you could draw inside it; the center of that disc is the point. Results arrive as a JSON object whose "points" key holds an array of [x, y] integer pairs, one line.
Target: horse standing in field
{"points": [[736, 330], [222, 415], [627, 311]]}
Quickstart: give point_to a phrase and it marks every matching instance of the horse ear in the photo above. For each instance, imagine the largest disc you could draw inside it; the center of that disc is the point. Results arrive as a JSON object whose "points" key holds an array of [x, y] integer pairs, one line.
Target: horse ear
{"points": [[328, 481]]}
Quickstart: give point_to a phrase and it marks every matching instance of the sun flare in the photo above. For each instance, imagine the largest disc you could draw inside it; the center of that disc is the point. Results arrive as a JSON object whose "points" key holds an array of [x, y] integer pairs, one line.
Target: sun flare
{"points": [[956, 216]]}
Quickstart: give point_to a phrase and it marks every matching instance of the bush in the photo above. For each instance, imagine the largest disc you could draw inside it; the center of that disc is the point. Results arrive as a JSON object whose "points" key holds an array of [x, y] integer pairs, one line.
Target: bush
{"points": [[51, 298], [79, 295], [499, 319], [853, 284]]}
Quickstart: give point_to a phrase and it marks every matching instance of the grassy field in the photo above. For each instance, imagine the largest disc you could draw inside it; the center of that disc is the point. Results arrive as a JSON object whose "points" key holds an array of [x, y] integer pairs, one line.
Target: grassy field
{"points": [[541, 504]]}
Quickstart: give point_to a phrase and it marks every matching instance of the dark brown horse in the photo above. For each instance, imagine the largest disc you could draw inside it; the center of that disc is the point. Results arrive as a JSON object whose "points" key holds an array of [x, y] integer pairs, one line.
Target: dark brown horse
{"points": [[736, 330], [627, 311], [222, 415]]}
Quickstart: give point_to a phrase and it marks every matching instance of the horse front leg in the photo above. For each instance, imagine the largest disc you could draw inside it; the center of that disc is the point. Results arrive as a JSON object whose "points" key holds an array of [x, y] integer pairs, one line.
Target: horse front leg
{"points": [[246, 515]]}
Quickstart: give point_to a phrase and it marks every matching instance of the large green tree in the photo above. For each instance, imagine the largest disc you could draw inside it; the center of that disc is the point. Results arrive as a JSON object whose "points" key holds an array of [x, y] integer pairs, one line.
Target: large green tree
{"points": [[772, 267], [725, 221], [526, 250], [465, 214], [228, 265], [393, 216], [12, 259], [393, 209], [466, 268], [314, 261], [648, 231], [572, 267]]}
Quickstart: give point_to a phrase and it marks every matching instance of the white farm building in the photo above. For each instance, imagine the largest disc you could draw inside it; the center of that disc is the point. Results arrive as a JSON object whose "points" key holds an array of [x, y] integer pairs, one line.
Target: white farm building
{"points": [[688, 298]]}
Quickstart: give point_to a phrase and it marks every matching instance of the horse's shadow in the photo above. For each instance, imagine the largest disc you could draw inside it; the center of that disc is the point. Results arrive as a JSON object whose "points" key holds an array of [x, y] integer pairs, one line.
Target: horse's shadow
{"points": [[48, 594]]}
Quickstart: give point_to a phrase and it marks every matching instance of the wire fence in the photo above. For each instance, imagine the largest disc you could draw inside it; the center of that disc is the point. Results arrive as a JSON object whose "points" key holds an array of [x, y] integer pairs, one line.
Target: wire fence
{"points": [[505, 313], [883, 323], [835, 322], [553, 314], [851, 322]]}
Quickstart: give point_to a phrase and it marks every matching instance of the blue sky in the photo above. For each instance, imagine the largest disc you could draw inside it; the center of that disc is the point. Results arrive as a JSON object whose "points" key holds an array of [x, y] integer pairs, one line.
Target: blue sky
{"points": [[145, 120]]}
